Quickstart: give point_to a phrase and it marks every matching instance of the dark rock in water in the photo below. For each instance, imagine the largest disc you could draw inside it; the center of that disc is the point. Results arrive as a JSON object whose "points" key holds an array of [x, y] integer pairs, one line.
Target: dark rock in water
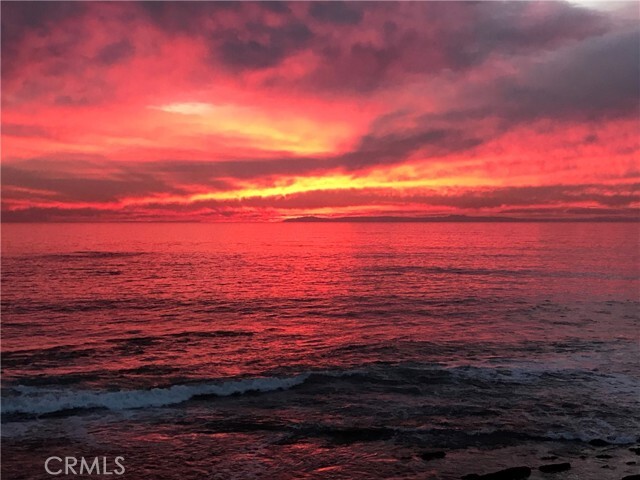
{"points": [[603, 455], [635, 450], [289, 439], [514, 473], [555, 467], [631, 477], [426, 456], [583, 457], [631, 463], [355, 434], [598, 442], [549, 457]]}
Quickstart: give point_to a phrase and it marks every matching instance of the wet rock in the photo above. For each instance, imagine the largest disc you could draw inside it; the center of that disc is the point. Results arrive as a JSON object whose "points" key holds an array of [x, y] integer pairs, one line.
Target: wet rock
{"points": [[427, 456], [549, 457], [631, 462], [603, 455], [631, 477], [555, 467], [598, 442], [513, 473], [346, 436], [635, 450], [288, 439]]}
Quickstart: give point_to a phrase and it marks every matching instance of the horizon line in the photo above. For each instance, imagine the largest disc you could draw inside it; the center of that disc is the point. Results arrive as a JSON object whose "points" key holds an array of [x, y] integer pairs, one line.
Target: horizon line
{"points": [[349, 220]]}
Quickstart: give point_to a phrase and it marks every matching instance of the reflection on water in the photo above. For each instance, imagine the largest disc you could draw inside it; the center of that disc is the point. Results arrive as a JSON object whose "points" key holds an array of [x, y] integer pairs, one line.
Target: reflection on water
{"points": [[335, 350]]}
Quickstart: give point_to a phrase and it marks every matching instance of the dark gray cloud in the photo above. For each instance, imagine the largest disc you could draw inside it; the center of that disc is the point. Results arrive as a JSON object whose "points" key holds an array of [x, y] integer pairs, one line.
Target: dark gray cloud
{"points": [[276, 6], [185, 17], [40, 16], [78, 187], [510, 28], [452, 36], [392, 148], [416, 38], [115, 52], [195, 172], [264, 47], [19, 18], [50, 214], [593, 80], [341, 13], [440, 36]]}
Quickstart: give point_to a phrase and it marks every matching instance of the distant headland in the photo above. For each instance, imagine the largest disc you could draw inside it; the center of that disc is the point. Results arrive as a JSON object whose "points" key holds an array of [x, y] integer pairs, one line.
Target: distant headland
{"points": [[452, 218]]}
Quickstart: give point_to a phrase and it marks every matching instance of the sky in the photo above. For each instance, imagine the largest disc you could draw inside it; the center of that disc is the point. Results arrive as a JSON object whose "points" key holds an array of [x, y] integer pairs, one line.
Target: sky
{"points": [[263, 111]]}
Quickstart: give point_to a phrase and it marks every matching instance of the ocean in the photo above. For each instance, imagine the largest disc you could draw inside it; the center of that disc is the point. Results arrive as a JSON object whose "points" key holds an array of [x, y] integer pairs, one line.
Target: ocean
{"points": [[312, 351]]}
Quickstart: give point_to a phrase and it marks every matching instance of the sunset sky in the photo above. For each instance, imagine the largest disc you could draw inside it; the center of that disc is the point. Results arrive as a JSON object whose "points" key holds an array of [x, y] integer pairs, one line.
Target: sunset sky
{"points": [[264, 111]]}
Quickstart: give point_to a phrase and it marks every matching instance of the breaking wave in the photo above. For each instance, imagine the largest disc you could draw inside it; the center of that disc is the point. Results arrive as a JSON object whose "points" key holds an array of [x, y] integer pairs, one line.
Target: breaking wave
{"points": [[39, 401]]}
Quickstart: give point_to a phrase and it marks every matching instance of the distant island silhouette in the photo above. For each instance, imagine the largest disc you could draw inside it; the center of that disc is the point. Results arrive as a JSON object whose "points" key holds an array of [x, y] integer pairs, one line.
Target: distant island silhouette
{"points": [[451, 218]]}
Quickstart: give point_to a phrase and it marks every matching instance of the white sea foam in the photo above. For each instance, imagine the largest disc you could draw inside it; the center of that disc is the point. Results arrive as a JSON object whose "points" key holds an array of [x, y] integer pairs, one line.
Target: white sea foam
{"points": [[529, 372], [612, 438], [38, 401]]}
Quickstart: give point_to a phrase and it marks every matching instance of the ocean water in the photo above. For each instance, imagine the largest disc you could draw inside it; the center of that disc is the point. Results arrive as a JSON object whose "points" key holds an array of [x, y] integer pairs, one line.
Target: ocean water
{"points": [[321, 350]]}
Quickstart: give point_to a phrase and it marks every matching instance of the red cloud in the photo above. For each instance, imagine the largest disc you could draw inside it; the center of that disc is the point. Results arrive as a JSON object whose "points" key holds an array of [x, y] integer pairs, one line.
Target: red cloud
{"points": [[259, 109]]}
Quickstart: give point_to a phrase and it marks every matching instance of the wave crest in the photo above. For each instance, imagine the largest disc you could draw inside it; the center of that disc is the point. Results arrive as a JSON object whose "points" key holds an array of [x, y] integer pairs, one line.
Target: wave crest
{"points": [[39, 401]]}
